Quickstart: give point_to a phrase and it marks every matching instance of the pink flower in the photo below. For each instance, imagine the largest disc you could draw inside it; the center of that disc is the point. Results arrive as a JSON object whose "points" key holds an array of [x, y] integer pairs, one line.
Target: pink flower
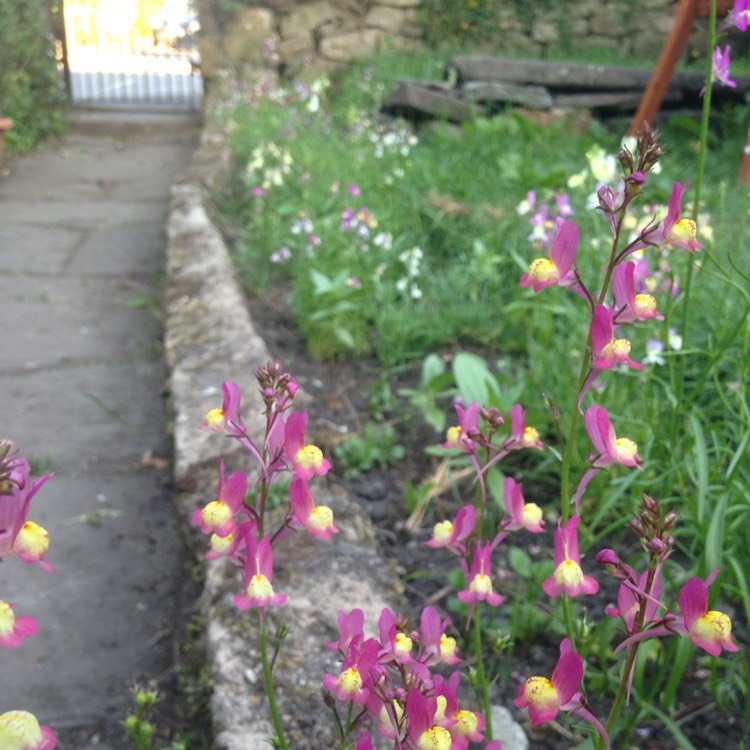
{"points": [[522, 436], [555, 270], [546, 697], [14, 630], [610, 449], [227, 419], [396, 644], [20, 730], [523, 515], [437, 647], [427, 729], [258, 577], [741, 14], [464, 434], [307, 460], [677, 230], [480, 578], [629, 305], [18, 491], [568, 578], [350, 626], [31, 545], [607, 350], [629, 597], [317, 519], [467, 725], [218, 517], [720, 68], [709, 629], [354, 682], [452, 534]]}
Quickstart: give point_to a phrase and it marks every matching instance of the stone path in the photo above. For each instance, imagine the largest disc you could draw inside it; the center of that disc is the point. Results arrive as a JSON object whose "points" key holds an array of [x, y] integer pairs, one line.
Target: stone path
{"points": [[83, 381]]}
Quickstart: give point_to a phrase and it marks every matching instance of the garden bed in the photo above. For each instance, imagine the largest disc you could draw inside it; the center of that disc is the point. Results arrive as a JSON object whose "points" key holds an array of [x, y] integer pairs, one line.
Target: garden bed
{"points": [[463, 214], [340, 405]]}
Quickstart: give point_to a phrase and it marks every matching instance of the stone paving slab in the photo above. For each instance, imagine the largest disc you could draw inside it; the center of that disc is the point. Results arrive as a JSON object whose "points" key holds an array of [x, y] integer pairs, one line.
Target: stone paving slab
{"points": [[75, 318], [83, 381]]}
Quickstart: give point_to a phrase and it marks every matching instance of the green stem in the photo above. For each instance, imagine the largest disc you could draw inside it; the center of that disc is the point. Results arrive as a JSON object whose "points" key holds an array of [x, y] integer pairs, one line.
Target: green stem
{"points": [[485, 688], [268, 679], [632, 652], [705, 113]]}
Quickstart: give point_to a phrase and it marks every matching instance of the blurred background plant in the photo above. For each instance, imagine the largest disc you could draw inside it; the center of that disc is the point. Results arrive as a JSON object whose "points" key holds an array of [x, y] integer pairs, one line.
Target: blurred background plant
{"points": [[31, 90]]}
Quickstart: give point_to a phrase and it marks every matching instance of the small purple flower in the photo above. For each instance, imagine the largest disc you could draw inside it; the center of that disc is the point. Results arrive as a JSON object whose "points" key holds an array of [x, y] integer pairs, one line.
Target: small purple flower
{"points": [[741, 15], [720, 68]]}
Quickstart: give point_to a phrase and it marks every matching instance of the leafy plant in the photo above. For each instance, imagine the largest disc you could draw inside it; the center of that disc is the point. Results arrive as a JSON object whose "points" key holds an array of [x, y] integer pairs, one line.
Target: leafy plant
{"points": [[375, 448]]}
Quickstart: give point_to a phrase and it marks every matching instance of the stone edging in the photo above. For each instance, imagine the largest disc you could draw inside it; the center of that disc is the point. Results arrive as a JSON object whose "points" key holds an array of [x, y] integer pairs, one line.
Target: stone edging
{"points": [[209, 338]]}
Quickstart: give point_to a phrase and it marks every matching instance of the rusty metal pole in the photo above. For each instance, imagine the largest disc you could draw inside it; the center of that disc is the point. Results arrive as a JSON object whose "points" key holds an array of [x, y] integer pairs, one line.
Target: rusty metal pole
{"points": [[670, 55]]}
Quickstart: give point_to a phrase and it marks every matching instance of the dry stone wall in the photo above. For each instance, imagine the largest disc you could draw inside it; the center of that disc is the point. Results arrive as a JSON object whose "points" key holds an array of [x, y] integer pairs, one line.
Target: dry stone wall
{"points": [[317, 36]]}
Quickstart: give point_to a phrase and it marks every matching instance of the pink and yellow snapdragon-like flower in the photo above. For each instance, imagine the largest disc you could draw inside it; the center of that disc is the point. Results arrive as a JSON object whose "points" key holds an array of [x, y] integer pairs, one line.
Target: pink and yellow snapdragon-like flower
{"points": [[452, 534], [568, 577], [521, 435], [396, 644], [546, 697], [437, 646], [708, 629], [608, 352], [354, 682], [227, 418], [32, 544], [677, 230], [523, 515], [463, 435], [317, 519], [557, 269], [20, 730], [307, 460], [218, 517], [14, 630], [16, 492], [479, 588], [610, 449], [629, 305], [429, 729], [259, 577]]}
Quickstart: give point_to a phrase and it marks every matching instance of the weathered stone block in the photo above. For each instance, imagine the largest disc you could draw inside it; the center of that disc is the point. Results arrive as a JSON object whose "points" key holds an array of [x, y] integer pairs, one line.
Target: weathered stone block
{"points": [[240, 47], [352, 45], [296, 50], [255, 22], [305, 19], [545, 32], [387, 19]]}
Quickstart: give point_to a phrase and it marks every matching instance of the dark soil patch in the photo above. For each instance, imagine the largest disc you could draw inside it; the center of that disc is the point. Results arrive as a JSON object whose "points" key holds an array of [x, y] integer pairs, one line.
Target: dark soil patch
{"points": [[339, 403]]}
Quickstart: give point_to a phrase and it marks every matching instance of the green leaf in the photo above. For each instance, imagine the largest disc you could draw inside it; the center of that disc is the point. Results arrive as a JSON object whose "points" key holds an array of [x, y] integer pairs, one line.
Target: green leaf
{"points": [[474, 380], [521, 563]]}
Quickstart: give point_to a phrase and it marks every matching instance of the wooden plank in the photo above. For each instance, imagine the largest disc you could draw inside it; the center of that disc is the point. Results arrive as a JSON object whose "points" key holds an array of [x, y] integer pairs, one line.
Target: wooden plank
{"points": [[552, 75], [416, 101], [534, 97]]}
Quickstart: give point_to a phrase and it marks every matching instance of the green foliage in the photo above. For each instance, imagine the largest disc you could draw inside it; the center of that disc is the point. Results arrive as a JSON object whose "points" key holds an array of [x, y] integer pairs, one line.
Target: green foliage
{"points": [[462, 21], [31, 92], [375, 448]]}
